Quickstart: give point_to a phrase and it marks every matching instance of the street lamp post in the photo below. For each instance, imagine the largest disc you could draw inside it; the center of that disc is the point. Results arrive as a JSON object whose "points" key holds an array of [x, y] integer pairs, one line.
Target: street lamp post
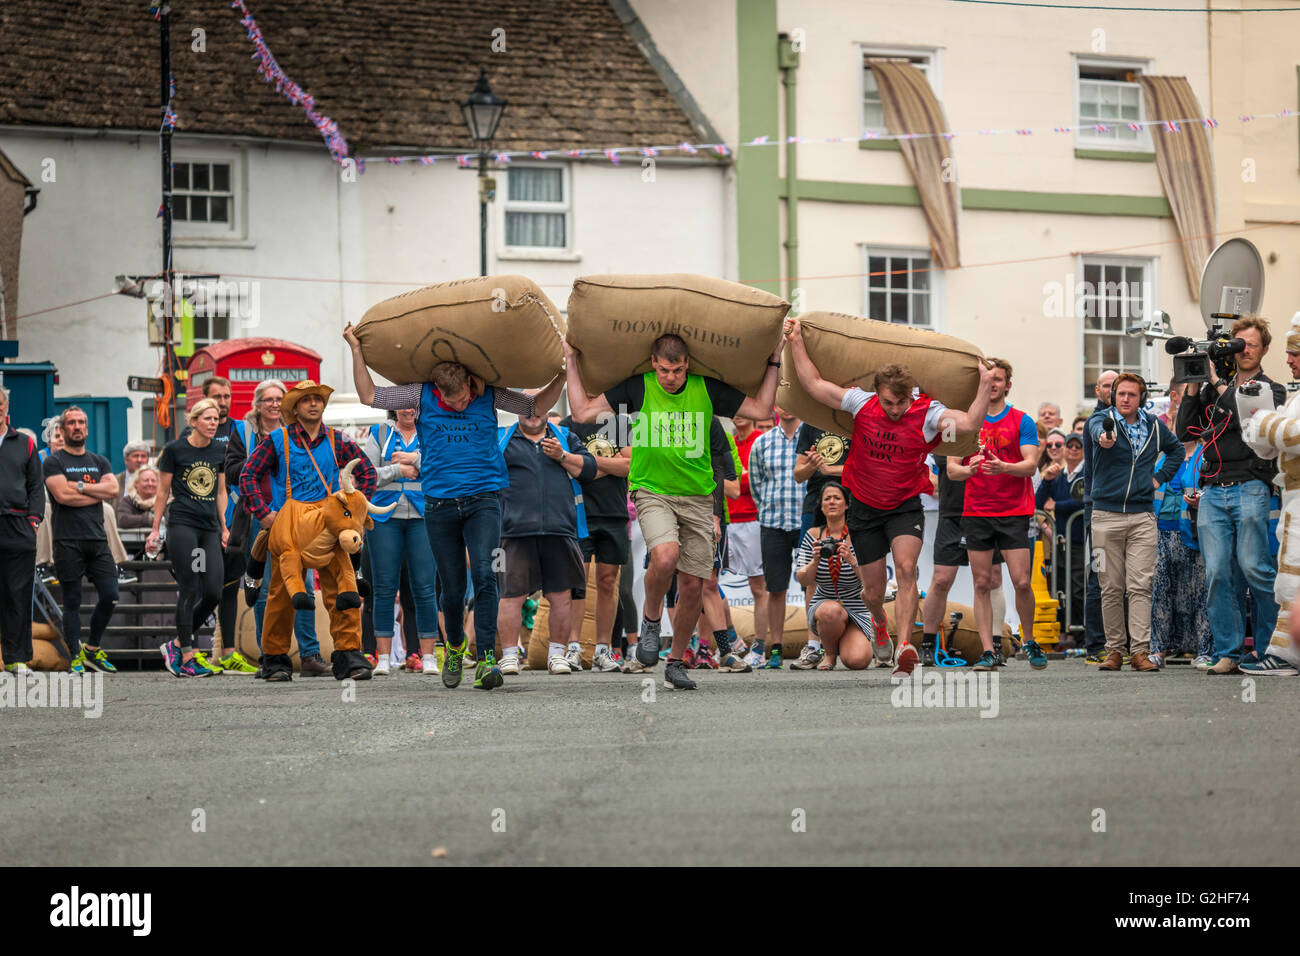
{"points": [[482, 112]]}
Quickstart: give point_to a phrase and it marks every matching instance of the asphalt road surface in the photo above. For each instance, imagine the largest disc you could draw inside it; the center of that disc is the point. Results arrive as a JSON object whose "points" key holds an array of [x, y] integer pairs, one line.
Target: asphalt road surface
{"points": [[766, 768]]}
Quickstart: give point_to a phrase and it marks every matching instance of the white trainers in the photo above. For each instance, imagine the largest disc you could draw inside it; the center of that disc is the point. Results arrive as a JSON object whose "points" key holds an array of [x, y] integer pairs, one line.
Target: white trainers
{"points": [[429, 663], [509, 665], [381, 669], [603, 663], [559, 665], [754, 659], [809, 658], [574, 658]]}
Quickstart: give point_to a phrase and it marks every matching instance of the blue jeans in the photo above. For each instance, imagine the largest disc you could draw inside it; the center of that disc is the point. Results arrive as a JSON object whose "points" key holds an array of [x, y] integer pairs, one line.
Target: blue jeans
{"points": [[454, 525], [391, 542], [304, 622], [1232, 529]]}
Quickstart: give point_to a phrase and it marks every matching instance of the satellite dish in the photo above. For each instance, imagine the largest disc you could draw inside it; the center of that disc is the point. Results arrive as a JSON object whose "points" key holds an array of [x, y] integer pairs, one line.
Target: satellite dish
{"points": [[1232, 281]]}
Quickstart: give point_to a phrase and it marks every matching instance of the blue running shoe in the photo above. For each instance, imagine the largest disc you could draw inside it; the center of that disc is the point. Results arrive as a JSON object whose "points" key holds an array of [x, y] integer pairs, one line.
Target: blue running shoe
{"points": [[171, 658], [1037, 659], [773, 662], [487, 676], [194, 668], [988, 661]]}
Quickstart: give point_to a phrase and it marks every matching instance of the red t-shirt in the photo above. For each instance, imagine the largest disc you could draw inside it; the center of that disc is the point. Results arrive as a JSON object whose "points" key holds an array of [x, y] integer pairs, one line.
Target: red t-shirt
{"points": [[886, 463], [1001, 496], [743, 508]]}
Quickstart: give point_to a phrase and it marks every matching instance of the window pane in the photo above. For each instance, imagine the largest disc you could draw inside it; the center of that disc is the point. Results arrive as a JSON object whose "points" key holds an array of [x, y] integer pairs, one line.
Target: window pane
{"points": [[1092, 275], [534, 184], [198, 209], [873, 115], [921, 310], [921, 278], [1110, 350], [898, 307], [221, 177], [535, 229], [876, 266], [1132, 352], [180, 209], [199, 177], [217, 209], [220, 327], [180, 175], [1114, 275], [876, 305]]}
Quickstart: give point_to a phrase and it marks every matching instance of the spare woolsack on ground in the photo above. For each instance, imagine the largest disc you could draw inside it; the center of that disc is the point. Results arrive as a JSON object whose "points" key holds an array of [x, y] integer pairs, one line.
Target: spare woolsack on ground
{"points": [[848, 350], [730, 329], [964, 642], [502, 328], [796, 627]]}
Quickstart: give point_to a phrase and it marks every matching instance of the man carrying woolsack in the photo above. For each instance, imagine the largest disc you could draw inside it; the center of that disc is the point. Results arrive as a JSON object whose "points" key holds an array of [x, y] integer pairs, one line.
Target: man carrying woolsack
{"points": [[671, 477]]}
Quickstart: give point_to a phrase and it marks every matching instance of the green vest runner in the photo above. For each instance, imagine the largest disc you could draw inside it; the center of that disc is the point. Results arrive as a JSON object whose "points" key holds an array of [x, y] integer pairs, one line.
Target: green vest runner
{"points": [[670, 440]]}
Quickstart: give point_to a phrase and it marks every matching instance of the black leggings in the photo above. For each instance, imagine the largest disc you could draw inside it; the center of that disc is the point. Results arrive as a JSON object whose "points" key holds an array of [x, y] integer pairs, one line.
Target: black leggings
{"points": [[232, 575], [199, 567], [107, 590]]}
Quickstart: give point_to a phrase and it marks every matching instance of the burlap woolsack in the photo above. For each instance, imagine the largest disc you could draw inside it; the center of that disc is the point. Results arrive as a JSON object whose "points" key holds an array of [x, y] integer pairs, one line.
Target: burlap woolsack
{"points": [[730, 329], [848, 350], [502, 328], [538, 640], [796, 627], [965, 640]]}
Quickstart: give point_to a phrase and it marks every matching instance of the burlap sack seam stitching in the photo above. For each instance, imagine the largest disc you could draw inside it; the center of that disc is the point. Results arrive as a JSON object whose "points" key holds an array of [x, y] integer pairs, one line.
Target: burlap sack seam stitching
{"points": [[676, 288]]}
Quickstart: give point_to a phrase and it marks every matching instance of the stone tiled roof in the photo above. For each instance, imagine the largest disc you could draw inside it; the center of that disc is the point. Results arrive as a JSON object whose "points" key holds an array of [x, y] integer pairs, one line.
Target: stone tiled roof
{"points": [[391, 75]]}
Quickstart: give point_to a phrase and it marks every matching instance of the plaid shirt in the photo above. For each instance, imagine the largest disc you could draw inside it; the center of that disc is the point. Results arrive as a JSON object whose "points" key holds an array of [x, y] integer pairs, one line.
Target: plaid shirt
{"points": [[771, 480], [263, 461]]}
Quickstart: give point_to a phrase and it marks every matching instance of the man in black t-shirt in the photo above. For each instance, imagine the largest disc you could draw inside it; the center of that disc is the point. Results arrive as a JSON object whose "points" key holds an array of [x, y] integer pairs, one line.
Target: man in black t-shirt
{"points": [[811, 468], [605, 502], [79, 482]]}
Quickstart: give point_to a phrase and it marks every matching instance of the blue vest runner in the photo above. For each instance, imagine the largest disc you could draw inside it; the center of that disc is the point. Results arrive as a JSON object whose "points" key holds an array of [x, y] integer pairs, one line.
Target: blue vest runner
{"points": [[389, 439], [295, 475], [459, 449], [562, 434]]}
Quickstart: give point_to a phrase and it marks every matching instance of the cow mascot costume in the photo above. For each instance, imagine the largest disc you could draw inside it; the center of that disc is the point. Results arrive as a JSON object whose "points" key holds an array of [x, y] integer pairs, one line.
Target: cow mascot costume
{"points": [[1276, 434], [318, 513]]}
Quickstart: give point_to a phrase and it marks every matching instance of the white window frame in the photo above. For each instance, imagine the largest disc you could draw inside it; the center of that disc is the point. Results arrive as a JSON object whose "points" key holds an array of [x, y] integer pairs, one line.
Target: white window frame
{"points": [[234, 229], [932, 71], [938, 321], [1149, 361], [565, 253], [1090, 139]]}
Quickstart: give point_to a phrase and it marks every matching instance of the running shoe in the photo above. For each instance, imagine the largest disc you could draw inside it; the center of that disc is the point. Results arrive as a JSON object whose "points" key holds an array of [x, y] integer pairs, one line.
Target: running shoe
{"points": [[884, 646], [381, 669], [487, 675], [451, 666], [1203, 663], [603, 663], [78, 664], [675, 677], [988, 661], [99, 661], [647, 645], [1223, 665], [372, 660], [1037, 659], [1270, 665], [705, 659], [753, 659], [1128, 658], [558, 665], [237, 663], [734, 664], [634, 666], [20, 670], [125, 577], [809, 658], [171, 657], [47, 575], [413, 664], [440, 656], [194, 668], [429, 665], [907, 660], [688, 659], [1096, 657], [510, 665], [997, 653], [574, 657], [927, 655], [1157, 658], [213, 666], [773, 662]]}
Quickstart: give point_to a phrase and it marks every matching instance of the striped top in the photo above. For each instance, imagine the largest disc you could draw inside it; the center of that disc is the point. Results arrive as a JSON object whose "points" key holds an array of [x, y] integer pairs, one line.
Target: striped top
{"points": [[836, 580]]}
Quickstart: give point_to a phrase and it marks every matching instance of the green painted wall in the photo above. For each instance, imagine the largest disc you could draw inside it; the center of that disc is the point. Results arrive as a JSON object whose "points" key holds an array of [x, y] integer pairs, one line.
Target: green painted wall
{"points": [[758, 188], [1008, 200]]}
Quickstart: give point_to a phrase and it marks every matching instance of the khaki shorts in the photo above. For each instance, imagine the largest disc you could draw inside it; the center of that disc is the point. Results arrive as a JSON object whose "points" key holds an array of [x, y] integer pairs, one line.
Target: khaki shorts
{"points": [[686, 520]]}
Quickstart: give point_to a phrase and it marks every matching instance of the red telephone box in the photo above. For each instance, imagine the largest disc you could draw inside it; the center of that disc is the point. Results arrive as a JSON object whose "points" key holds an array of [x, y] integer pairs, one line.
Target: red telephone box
{"points": [[246, 362]]}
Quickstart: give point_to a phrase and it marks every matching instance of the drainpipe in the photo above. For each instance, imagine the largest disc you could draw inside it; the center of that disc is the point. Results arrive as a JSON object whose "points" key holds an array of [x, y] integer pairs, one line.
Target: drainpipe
{"points": [[788, 60]]}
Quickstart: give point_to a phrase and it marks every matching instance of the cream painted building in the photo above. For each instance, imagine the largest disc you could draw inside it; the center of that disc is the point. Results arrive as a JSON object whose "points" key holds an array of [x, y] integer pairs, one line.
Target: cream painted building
{"points": [[1065, 238]]}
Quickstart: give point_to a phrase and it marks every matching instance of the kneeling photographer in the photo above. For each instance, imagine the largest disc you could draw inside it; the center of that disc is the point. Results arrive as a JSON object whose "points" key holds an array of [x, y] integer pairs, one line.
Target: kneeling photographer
{"points": [[838, 618], [1235, 498]]}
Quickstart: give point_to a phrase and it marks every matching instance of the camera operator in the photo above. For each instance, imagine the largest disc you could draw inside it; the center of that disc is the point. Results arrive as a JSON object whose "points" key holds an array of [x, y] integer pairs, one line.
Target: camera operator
{"points": [[1126, 442], [1233, 515]]}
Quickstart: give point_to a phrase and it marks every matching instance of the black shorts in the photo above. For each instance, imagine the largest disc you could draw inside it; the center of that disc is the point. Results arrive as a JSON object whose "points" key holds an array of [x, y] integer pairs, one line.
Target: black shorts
{"points": [[950, 544], [607, 541], [545, 562], [777, 548], [872, 529], [88, 558], [1008, 533]]}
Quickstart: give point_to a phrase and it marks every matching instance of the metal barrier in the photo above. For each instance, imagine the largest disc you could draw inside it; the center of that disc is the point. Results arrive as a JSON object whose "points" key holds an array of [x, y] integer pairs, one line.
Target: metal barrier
{"points": [[1069, 573]]}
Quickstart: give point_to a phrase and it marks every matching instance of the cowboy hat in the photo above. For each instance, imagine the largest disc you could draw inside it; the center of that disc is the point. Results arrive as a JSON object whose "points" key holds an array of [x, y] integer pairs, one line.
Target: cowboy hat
{"points": [[298, 393]]}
